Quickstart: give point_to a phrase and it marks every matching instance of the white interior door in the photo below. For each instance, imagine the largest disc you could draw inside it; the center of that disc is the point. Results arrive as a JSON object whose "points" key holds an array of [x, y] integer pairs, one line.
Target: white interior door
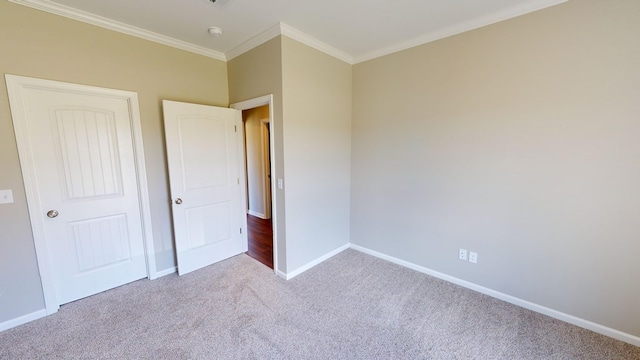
{"points": [[80, 150], [204, 176]]}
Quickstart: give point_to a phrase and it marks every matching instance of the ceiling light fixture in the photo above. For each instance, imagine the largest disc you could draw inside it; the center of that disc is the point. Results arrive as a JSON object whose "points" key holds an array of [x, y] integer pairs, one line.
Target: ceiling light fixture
{"points": [[215, 31]]}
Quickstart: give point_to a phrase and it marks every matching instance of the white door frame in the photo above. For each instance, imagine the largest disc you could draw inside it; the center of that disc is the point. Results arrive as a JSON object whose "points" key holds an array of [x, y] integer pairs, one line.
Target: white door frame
{"points": [[251, 104], [15, 86], [266, 161]]}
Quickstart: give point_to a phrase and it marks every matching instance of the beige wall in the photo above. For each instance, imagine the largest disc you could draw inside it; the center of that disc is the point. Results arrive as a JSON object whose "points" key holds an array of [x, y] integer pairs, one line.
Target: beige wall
{"points": [[312, 131], [519, 141], [37, 44], [256, 73], [317, 145]]}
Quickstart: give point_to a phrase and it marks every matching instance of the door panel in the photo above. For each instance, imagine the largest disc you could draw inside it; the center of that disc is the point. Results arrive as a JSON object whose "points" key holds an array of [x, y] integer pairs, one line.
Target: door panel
{"points": [[100, 242], [83, 157], [86, 144], [203, 158], [208, 224], [203, 144]]}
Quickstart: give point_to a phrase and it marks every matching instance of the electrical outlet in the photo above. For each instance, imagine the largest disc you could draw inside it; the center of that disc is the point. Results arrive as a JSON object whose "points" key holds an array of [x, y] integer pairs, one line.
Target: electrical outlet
{"points": [[462, 254], [473, 257]]}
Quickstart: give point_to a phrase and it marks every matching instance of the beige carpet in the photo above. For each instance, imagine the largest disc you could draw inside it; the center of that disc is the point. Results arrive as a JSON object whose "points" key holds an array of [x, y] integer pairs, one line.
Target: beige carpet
{"points": [[352, 306]]}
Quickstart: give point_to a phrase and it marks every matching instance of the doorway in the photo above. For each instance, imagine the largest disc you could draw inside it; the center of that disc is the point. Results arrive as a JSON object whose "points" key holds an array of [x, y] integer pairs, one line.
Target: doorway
{"points": [[260, 201], [257, 157]]}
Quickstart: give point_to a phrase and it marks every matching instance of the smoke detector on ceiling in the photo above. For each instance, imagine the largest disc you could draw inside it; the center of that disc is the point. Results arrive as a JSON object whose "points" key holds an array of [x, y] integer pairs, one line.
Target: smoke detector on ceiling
{"points": [[215, 31], [220, 3]]}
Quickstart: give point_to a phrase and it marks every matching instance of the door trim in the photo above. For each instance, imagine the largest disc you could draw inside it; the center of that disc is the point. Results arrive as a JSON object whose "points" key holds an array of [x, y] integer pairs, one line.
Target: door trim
{"points": [[15, 86], [265, 150], [250, 104]]}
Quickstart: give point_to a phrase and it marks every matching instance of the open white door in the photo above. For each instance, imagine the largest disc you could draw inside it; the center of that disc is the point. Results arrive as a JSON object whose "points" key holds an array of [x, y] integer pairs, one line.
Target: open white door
{"points": [[204, 176]]}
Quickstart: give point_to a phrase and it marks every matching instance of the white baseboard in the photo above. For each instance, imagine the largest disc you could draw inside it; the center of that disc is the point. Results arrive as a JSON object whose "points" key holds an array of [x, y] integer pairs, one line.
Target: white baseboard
{"points": [[166, 272], [281, 274], [601, 329], [300, 270], [256, 214], [598, 328], [23, 319]]}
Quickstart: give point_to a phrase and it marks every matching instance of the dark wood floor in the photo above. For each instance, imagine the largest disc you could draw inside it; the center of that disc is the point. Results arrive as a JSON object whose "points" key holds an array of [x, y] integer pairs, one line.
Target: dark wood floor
{"points": [[260, 235]]}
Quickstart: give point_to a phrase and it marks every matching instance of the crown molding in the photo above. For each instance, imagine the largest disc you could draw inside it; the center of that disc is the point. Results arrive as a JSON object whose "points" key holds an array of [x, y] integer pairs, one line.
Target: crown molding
{"points": [[253, 42], [460, 28], [282, 29], [290, 32], [276, 30], [75, 14], [310, 41]]}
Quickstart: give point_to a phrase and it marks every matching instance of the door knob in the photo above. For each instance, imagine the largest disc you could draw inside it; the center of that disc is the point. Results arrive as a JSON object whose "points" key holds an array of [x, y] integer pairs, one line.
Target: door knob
{"points": [[178, 201], [52, 213]]}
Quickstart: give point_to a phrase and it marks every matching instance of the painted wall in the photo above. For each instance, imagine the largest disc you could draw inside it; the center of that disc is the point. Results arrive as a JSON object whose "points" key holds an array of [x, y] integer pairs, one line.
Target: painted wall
{"points": [[38, 44], [312, 131], [519, 141], [256, 73], [317, 144], [255, 155]]}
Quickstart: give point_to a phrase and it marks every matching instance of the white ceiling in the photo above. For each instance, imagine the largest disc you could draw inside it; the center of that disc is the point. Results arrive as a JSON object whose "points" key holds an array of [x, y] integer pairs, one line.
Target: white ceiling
{"points": [[353, 30]]}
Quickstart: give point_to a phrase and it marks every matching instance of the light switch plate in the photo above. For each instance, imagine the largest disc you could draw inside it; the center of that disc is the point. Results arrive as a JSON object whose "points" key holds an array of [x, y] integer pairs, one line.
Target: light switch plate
{"points": [[6, 196]]}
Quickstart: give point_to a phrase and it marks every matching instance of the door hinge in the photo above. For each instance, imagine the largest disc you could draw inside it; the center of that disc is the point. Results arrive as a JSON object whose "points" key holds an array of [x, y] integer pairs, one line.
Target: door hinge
{"points": [[240, 230], [235, 128], [238, 181]]}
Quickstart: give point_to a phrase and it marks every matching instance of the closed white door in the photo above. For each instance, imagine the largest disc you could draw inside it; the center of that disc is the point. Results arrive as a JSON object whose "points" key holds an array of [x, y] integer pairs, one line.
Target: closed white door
{"points": [[82, 155], [204, 176]]}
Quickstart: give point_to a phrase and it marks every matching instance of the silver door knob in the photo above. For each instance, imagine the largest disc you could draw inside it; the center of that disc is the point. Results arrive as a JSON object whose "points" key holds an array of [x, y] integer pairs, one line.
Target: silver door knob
{"points": [[52, 213], [178, 201]]}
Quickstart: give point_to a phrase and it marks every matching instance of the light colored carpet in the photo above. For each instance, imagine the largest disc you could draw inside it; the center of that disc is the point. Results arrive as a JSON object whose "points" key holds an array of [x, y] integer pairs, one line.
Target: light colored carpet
{"points": [[353, 306]]}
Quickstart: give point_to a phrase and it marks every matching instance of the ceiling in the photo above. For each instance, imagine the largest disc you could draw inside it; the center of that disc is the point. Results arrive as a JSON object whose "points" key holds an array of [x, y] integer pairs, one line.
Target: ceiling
{"points": [[352, 30]]}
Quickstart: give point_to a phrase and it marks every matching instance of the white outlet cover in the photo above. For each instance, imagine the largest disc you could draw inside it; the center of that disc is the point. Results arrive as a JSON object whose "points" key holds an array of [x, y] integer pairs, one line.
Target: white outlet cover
{"points": [[6, 196], [462, 254], [473, 257]]}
